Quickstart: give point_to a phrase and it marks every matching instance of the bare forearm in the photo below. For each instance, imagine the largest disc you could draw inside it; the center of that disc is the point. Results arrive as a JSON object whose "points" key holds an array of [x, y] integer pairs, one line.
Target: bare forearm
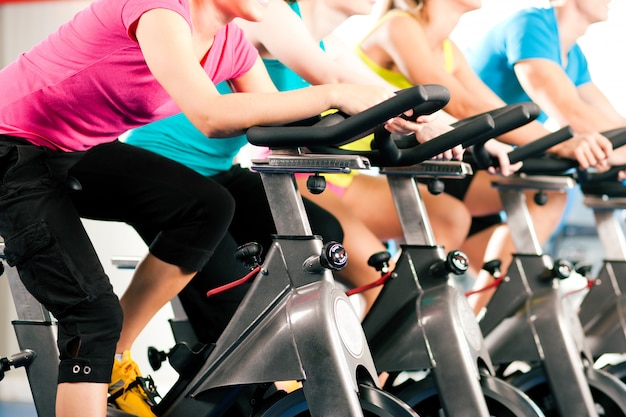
{"points": [[231, 114]]}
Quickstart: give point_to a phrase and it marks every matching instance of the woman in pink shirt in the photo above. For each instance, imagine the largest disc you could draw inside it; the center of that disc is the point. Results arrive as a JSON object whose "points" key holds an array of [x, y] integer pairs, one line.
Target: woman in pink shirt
{"points": [[117, 65]]}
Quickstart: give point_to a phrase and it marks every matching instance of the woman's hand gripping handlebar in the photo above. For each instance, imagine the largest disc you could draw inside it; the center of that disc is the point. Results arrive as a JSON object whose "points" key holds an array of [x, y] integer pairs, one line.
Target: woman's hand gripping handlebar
{"points": [[421, 100], [393, 151], [467, 132]]}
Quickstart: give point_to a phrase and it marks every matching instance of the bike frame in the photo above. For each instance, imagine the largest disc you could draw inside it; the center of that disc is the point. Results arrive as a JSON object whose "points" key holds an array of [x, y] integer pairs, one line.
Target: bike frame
{"points": [[529, 320]]}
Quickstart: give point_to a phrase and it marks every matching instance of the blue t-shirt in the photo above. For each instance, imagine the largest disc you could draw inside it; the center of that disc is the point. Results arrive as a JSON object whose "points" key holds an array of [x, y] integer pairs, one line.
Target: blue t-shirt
{"points": [[529, 33], [176, 138]]}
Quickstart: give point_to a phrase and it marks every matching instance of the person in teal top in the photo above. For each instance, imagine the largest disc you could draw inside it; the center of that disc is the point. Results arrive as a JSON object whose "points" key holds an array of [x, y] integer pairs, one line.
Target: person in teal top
{"points": [[174, 139], [528, 34]]}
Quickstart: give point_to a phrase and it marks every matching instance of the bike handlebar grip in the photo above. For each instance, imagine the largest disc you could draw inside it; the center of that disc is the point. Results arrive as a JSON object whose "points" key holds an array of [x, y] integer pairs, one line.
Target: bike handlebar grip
{"points": [[539, 146], [506, 118], [616, 136], [394, 156], [422, 99]]}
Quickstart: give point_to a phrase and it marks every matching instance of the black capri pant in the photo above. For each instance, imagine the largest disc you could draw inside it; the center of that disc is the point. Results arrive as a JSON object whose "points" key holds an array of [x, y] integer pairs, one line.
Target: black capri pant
{"points": [[186, 213]]}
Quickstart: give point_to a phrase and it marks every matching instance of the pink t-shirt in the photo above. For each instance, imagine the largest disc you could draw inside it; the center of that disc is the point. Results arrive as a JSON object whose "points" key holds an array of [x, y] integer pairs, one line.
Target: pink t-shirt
{"points": [[88, 83]]}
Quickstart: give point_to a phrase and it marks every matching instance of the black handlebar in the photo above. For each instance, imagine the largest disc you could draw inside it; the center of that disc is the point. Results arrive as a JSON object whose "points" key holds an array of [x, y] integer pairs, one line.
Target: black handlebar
{"points": [[554, 165], [422, 99], [391, 151], [471, 131]]}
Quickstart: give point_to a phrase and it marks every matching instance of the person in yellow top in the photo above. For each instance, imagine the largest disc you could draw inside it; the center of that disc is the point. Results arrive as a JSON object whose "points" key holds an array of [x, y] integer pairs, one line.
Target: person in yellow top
{"points": [[363, 204], [411, 45]]}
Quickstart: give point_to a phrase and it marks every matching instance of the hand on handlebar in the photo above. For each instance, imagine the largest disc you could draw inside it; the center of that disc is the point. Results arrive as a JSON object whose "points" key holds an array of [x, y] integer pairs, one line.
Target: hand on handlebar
{"points": [[618, 157], [352, 98], [500, 151], [589, 150], [426, 127]]}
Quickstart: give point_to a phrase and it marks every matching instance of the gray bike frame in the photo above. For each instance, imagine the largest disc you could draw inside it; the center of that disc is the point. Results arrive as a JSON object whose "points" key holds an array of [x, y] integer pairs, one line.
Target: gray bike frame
{"points": [[529, 320]]}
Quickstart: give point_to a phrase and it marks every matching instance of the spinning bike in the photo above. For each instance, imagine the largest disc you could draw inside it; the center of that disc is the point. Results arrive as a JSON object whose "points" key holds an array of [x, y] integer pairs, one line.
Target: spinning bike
{"points": [[420, 321], [603, 310], [528, 320], [293, 324]]}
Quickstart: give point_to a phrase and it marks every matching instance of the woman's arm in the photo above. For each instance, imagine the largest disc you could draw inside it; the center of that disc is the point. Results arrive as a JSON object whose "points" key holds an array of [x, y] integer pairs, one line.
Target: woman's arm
{"points": [[284, 36], [168, 47], [406, 42]]}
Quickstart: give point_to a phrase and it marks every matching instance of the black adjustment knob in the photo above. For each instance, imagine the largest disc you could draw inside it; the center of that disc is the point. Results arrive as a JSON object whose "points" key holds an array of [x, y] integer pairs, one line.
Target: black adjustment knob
{"points": [[541, 198], [562, 268], [380, 261], [583, 268], [249, 254], [334, 256], [20, 359], [4, 367], [316, 184], [436, 186], [456, 262], [156, 357], [493, 267]]}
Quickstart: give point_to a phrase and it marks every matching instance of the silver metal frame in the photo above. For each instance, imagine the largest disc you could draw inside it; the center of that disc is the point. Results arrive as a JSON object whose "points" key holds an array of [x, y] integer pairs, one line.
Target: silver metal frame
{"points": [[529, 320], [603, 309], [423, 322]]}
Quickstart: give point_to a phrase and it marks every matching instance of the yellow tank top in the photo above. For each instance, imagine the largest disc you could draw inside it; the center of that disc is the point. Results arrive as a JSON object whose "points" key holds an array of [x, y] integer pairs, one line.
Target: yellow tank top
{"points": [[392, 77], [396, 78]]}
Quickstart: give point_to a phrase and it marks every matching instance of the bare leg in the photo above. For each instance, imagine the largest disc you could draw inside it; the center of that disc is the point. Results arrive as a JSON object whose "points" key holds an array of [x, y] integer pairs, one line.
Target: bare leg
{"points": [[70, 397], [154, 284], [370, 199]]}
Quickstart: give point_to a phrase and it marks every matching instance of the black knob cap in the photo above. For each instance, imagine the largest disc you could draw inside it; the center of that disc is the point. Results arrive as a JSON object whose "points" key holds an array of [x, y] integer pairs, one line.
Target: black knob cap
{"points": [[334, 256], [493, 267], [249, 254], [316, 184], [156, 357], [379, 260], [436, 186], [541, 198]]}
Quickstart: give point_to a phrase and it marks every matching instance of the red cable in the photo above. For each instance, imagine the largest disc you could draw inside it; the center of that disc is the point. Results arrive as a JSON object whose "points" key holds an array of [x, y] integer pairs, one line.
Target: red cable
{"points": [[376, 283], [495, 283], [233, 284]]}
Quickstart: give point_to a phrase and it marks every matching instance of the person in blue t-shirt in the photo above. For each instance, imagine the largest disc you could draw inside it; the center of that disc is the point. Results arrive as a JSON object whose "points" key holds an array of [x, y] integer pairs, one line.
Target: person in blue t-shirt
{"points": [[534, 55]]}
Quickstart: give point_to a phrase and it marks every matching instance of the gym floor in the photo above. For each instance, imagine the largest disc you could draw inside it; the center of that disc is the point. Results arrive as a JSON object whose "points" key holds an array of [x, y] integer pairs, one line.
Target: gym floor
{"points": [[17, 409]]}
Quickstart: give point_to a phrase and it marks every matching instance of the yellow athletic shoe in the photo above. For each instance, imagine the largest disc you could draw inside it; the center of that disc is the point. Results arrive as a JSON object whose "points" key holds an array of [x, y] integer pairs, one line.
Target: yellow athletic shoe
{"points": [[129, 391]]}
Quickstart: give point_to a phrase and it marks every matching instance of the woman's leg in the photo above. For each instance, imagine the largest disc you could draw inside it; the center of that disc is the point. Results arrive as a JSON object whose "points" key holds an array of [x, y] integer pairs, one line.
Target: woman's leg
{"points": [[188, 214], [46, 242]]}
